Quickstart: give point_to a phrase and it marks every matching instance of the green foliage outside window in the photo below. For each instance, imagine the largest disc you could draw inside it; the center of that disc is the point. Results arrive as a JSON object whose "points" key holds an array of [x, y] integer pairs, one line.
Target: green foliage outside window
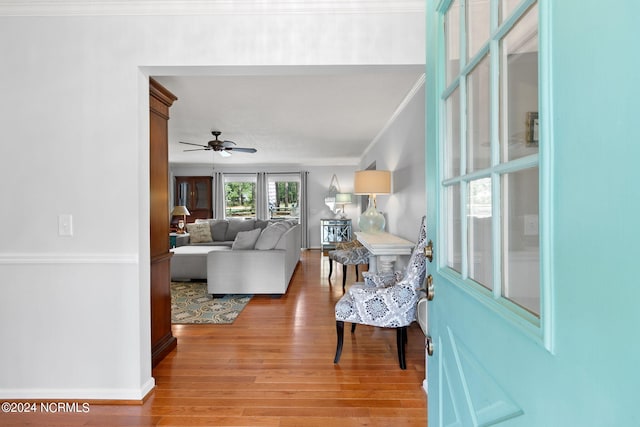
{"points": [[286, 202], [240, 199]]}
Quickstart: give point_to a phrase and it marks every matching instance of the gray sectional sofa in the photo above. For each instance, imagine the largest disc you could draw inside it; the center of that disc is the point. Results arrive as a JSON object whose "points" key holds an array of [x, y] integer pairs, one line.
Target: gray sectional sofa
{"points": [[221, 232], [238, 256]]}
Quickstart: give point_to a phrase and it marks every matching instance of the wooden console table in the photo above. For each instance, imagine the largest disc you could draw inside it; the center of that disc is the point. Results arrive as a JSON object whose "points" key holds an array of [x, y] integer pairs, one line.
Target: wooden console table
{"points": [[384, 248]]}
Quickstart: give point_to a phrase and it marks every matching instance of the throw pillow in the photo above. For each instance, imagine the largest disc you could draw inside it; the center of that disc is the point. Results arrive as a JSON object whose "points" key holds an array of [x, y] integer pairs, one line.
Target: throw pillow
{"points": [[269, 237], [199, 233], [246, 239]]}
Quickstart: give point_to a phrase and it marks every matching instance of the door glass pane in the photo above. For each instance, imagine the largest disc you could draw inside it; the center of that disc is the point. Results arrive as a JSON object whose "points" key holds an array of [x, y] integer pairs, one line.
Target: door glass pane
{"points": [[506, 7], [452, 41], [452, 148], [521, 243], [478, 25], [519, 88], [478, 117], [479, 232], [453, 227]]}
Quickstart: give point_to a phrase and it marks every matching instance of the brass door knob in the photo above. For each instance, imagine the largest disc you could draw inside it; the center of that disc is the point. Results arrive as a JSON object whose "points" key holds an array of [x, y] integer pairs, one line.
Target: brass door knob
{"points": [[430, 288], [428, 251]]}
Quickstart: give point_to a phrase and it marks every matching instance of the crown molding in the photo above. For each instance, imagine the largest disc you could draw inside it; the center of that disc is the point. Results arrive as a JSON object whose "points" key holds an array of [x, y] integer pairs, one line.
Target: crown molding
{"points": [[204, 7], [407, 99]]}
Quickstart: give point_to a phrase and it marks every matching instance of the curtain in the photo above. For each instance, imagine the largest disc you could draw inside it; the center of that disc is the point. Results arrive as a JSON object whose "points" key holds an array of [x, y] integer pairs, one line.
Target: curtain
{"points": [[304, 209], [262, 196], [218, 195]]}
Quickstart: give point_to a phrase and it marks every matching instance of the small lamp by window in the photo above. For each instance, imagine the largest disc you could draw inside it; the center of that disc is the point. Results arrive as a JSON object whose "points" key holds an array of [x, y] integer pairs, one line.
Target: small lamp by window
{"points": [[372, 182], [181, 210]]}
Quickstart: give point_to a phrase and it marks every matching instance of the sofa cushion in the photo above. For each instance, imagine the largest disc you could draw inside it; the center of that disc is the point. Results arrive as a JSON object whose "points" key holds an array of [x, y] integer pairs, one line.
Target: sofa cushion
{"points": [[218, 228], [236, 225], [261, 223], [270, 236], [246, 239], [199, 232]]}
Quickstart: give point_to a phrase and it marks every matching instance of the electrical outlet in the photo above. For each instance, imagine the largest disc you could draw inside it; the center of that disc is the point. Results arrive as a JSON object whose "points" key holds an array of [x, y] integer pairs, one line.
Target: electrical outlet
{"points": [[65, 225]]}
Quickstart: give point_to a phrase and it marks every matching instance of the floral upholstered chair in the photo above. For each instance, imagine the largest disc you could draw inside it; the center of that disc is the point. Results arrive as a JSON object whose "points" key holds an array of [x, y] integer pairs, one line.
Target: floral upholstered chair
{"points": [[348, 253], [387, 300]]}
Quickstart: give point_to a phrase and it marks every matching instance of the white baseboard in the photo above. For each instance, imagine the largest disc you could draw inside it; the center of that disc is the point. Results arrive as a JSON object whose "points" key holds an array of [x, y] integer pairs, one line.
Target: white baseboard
{"points": [[79, 394]]}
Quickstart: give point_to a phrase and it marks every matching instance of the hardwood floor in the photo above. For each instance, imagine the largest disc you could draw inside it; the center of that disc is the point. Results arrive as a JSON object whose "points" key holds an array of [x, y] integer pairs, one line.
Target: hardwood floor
{"points": [[274, 367]]}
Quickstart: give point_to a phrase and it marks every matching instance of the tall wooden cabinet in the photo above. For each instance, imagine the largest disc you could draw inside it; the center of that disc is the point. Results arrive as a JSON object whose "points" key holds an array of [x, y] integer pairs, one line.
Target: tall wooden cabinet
{"points": [[194, 192], [162, 340]]}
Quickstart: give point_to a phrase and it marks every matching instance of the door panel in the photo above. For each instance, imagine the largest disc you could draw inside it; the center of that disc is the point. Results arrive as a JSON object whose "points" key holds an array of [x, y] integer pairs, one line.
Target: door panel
{"points": [[574, 364]]}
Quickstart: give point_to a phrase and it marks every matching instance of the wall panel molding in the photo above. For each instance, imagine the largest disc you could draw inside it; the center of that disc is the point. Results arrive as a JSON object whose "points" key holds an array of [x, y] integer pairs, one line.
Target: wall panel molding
{"points": [[66, 258], [202, 7]]}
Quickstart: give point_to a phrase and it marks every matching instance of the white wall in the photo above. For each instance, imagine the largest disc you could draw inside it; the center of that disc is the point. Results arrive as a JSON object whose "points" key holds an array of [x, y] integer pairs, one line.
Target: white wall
{"points": [[400, 149], [74, 311]]}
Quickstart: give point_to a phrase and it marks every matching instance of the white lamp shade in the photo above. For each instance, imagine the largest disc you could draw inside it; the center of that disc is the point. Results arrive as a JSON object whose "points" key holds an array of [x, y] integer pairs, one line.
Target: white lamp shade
{"points": [[372, 182], [343, 198]]}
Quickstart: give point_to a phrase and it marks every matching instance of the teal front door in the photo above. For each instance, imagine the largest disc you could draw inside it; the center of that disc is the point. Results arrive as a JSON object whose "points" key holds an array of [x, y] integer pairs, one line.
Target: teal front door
{"points": [[533, 154]]}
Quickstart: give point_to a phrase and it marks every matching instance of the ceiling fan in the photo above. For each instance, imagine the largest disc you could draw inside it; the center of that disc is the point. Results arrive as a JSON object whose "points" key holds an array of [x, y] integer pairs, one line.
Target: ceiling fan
{"points": [[224, 148]]}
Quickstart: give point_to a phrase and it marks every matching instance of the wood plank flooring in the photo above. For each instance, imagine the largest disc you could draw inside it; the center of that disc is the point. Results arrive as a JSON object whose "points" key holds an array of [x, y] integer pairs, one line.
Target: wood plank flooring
{"points": [[274, 367]]}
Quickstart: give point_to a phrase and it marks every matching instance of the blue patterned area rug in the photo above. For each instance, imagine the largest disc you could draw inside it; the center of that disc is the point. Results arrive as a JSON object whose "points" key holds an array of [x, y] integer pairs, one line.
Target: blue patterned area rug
{"points": [[190, 303]]}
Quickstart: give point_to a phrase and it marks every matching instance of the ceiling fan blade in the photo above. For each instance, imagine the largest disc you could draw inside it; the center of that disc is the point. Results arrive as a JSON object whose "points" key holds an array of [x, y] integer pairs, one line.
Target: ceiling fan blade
{"points": [[243, 150], [190, 143], [227, 143], [199, 149]]}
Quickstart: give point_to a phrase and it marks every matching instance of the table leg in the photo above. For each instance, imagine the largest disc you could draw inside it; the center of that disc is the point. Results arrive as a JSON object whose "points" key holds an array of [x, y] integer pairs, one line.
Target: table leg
{"points": [[386, 263]]}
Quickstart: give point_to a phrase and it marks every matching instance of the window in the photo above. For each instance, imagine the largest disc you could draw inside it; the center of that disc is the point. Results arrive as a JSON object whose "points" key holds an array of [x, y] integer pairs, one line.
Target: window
{"points": [[284, 196], [240, 196], [489, 181]]}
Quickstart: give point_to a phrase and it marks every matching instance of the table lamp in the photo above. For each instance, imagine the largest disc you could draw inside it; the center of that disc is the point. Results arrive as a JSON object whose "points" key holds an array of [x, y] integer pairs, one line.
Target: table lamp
{"points": [[181, 210], [372, 182], [343, 199]]}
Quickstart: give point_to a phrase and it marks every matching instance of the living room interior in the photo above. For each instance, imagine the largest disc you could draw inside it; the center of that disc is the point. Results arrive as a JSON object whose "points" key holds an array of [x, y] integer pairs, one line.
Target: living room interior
{"points": [[75, 260]]}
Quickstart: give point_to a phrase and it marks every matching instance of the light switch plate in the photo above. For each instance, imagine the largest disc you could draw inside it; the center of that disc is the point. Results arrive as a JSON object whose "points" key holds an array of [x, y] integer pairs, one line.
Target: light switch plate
{"points": [[65, 225]]}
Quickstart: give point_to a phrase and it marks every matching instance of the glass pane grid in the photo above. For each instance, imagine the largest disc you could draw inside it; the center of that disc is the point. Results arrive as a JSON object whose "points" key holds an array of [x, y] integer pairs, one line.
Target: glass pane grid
{"points": [[493, 154]]}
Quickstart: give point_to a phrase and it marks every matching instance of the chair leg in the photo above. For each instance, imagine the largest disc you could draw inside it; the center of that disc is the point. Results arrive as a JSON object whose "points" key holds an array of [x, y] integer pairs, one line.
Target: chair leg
{"points": [[330, 267], [340, 333], [356, 272], [401, 338], [344, 276], [353, 327]]}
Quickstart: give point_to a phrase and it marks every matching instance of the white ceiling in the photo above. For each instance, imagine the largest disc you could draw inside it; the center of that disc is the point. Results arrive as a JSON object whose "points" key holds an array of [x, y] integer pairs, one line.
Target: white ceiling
{"points": [[317, 116]]}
